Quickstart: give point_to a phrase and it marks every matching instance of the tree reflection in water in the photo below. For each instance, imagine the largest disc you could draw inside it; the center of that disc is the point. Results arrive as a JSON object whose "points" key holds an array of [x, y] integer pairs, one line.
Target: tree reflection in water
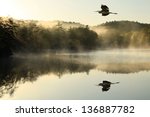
{"points": [[18, 70]]}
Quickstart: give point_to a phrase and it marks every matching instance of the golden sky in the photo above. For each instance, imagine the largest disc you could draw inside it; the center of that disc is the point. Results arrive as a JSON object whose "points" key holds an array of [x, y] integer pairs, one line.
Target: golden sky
{"points": [[76, 10]]}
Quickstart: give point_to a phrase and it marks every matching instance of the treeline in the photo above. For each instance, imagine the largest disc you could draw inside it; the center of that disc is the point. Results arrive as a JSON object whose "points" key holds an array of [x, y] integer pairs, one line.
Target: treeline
{"points": [[35, 37], [124, 34], [29, 36]]}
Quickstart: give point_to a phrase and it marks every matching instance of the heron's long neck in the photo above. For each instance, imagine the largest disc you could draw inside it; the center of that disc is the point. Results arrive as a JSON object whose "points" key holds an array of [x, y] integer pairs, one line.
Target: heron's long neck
{"points": [[99, 11], [115, 83], [112, 13]]}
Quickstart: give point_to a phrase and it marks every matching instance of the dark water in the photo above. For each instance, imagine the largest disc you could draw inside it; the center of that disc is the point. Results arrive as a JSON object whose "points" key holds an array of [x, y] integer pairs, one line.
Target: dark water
{"points": [[77, 75]]}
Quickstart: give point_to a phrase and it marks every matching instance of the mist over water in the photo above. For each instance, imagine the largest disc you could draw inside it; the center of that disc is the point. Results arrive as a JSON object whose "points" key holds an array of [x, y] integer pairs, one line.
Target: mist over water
{"points": [[76, 75]]}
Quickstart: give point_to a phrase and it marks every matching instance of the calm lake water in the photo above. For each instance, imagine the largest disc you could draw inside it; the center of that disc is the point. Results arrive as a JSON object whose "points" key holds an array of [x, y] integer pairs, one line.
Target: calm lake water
{"points": [[77, 75]]}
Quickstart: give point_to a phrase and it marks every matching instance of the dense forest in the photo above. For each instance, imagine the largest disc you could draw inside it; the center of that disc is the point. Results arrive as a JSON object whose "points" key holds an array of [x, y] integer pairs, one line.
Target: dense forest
{"points": [[37, 38], [29, 36], [8, 40]]}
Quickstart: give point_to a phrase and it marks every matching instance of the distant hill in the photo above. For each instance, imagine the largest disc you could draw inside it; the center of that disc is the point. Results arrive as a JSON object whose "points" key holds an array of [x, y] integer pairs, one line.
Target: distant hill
{"points": [[124, 26], [124, 34]]}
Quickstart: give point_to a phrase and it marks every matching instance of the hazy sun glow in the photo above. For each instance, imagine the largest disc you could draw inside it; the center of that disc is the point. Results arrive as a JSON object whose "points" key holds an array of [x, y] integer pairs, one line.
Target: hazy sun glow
{"points": [[11, 8], [6, 7]]}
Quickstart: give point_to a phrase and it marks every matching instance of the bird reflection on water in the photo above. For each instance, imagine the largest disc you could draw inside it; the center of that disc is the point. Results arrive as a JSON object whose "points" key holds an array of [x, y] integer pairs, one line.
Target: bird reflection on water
{"points": [[106, 85]]}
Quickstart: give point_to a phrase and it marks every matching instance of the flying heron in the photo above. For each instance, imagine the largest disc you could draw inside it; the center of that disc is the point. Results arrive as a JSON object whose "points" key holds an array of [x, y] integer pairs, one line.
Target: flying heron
{"points": [[105, 11]]}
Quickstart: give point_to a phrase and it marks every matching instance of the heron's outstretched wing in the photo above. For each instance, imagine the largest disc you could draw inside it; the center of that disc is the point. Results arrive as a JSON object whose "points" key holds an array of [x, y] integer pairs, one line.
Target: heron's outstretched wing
{"points": [[104, 8]]}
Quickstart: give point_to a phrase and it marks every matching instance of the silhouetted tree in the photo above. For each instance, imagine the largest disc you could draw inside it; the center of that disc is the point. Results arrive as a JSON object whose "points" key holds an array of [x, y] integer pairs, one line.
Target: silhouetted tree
{"points": [[8, 40]]}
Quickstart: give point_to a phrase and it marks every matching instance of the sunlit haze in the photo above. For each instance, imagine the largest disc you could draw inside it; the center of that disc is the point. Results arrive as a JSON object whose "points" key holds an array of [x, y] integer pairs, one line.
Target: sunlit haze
{"points": [[76, 10]]}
